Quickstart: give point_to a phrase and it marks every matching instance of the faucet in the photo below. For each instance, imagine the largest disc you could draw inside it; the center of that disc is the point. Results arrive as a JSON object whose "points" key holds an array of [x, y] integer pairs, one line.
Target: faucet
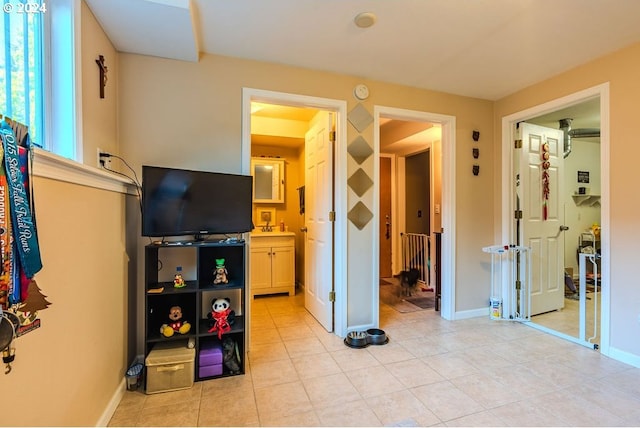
{"points": [[267, 228]]}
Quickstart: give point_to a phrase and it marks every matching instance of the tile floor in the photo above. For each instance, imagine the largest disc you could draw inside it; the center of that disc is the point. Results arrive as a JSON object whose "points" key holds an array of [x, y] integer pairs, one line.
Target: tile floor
{"points": [[433, 372], [567, 320]]}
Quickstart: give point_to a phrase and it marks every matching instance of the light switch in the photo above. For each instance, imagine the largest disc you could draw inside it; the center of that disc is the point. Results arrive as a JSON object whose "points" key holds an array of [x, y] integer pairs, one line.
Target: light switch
{"points": [[436, 208]]}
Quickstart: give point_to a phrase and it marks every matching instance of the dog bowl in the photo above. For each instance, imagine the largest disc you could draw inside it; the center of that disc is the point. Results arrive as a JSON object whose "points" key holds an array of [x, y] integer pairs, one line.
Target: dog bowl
{"points": [[356, 339], [375, 336]]}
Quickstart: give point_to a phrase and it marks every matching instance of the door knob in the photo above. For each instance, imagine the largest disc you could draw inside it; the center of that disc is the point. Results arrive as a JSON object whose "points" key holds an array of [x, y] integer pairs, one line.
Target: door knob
{"points": [[563, 228], [303, 229]]}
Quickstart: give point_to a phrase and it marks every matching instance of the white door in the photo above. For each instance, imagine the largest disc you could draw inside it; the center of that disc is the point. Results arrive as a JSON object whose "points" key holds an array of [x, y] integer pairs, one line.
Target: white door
{"points": [[541, 198], [318, 262]]}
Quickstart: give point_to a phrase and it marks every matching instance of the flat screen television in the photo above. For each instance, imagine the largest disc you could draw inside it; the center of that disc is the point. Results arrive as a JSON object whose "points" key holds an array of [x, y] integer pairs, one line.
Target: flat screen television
{"points": [[178, 202]]}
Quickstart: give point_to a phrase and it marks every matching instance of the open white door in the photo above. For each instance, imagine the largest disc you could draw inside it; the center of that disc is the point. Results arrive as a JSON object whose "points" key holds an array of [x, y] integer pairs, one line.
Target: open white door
{"points": [[540, 196], [319, 227]]}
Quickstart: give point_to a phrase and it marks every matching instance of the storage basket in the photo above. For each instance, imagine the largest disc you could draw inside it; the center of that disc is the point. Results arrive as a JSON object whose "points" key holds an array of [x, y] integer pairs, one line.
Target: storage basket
{"points": [[170, 367]]}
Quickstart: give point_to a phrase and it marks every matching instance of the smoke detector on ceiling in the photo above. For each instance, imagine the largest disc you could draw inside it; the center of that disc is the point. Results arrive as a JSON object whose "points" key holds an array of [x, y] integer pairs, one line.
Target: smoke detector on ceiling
{"points": [[365, 19]]}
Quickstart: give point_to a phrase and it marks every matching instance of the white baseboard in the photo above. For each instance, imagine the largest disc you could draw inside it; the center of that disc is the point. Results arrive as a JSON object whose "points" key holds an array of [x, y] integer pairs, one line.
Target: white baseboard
{"points": [[624, 357], [473, 313], [116, 398], [113, 404]]}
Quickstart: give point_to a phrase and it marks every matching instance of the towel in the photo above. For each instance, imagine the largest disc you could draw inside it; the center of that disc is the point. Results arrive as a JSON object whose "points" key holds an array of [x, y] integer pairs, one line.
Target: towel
{"points": [[301, 198]]}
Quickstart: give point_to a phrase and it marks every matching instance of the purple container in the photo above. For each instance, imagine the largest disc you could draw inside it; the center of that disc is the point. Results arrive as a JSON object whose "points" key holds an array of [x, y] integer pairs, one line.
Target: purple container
{"points": [[214, 370], [210, 354]]}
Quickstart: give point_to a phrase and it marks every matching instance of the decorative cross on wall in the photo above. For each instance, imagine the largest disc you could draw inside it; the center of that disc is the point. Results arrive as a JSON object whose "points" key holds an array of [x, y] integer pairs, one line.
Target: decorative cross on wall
{"points": [[103, 74]]}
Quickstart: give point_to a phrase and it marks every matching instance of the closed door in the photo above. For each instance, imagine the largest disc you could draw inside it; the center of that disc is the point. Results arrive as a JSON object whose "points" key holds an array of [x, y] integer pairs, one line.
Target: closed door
{"points": [[385, 217]]}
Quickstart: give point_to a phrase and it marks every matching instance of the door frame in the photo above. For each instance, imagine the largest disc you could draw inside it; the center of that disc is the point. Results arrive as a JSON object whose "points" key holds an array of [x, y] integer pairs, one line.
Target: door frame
{"points": [[508, 187], [448, 208], [394, 212], [339, 107]]}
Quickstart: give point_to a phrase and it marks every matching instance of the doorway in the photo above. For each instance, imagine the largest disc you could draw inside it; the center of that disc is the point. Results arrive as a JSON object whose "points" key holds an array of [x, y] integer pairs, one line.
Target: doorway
{"points": [[402, 135], [272, 141], [566, 323]]}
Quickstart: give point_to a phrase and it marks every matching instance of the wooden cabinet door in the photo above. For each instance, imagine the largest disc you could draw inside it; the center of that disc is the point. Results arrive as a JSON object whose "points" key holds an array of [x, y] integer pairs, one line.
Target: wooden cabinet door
{"points": [[283, 265], [260, 268]]}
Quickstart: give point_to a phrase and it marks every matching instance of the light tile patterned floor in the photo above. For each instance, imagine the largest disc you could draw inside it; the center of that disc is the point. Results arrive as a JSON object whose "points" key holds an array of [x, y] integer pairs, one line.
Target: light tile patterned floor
{"points": [[567, 320], [433, 372]]}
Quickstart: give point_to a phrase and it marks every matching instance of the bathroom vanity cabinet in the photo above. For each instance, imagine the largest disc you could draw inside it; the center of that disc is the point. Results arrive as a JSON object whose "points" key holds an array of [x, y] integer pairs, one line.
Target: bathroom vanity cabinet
{"points": [[272, 263]]}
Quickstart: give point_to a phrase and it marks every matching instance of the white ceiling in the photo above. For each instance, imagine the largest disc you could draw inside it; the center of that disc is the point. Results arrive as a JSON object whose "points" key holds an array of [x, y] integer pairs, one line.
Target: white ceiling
{"points": [[479, 48]]}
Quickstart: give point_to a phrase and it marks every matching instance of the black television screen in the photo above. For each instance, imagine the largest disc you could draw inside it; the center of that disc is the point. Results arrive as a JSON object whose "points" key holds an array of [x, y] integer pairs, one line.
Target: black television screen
{"points": [[179, 202]]}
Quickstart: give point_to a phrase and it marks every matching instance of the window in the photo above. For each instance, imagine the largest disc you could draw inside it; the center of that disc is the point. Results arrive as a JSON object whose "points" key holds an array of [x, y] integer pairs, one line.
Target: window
{"points": [[38, 75], [21, 70]]}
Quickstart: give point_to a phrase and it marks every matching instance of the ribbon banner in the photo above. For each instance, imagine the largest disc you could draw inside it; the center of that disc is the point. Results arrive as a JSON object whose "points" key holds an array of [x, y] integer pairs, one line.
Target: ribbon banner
{"points": [[24, 231]]}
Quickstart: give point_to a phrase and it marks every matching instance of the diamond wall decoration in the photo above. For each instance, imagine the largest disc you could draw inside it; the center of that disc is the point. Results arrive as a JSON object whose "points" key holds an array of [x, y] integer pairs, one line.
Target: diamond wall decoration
{"points": [[360, 182], [359, 149], [360, 118], [359, 215]]}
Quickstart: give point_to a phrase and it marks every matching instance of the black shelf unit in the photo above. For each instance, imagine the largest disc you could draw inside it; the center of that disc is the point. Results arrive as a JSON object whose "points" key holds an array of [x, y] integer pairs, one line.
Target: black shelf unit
{"points": [[199, 259]]}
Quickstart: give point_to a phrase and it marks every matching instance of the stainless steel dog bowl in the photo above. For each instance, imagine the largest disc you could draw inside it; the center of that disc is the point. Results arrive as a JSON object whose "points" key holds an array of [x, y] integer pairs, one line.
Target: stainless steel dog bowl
{"points": [[375, 336], [356, 339]]}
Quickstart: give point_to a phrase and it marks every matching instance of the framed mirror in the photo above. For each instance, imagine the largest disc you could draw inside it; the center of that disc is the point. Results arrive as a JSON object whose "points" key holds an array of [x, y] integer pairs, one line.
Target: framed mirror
{"points": [[268, 180]]}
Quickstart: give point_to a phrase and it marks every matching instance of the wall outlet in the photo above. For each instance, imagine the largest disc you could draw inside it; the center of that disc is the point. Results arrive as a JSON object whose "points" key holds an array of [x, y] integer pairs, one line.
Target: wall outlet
{"points": [[106, 161]]}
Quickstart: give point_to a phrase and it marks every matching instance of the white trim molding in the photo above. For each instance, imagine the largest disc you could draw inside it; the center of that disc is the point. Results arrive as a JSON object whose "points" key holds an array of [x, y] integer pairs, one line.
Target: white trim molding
{"points": [[340, 177], [55, 167]]}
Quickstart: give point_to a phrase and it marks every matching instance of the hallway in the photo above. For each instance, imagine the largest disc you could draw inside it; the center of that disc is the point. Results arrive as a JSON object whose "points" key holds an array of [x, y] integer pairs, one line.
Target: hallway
{"points": [[474, 372]]}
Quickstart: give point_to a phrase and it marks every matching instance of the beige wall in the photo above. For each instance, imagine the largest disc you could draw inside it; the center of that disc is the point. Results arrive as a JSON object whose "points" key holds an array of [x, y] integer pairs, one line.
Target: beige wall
{"points": [[188, 115], [621, 69], [67, 371], [99, 115]]}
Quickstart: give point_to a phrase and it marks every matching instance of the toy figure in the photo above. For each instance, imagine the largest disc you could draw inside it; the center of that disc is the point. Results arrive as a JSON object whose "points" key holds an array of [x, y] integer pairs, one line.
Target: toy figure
{"points": [[221, 317], [178, 281], [176, 324], [220, 273]]}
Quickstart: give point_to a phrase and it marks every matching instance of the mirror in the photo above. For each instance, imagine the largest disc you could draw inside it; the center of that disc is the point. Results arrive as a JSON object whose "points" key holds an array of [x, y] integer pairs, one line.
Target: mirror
{"points": [[268, 180]]}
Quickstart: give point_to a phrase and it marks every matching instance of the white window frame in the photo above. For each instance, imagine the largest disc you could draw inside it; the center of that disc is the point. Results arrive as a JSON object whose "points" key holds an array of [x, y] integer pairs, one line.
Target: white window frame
{"points": [[63, 79]]}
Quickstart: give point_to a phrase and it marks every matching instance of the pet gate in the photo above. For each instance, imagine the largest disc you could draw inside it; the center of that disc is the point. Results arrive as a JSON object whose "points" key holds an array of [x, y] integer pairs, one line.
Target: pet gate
{"points": [[510, 282], [415, 255]]}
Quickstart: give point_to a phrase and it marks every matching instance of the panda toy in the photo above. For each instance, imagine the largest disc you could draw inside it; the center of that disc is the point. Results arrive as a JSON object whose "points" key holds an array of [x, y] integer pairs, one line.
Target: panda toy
{"points": [[221, 317]]}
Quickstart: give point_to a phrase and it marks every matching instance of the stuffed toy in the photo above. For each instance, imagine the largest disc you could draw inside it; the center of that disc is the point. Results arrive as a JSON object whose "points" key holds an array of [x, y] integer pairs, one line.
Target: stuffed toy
{"points": [[231, 355], [222, 317], [220, 273], [176, 324]]}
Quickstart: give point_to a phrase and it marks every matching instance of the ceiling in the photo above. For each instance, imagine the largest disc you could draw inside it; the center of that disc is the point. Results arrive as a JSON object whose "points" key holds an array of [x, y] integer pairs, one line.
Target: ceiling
{"points": [[482, 48]]}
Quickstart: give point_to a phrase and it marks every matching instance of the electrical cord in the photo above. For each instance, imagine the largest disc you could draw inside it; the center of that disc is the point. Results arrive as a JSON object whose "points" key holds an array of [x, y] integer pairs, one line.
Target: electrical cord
{"points": [[109, 155], [136, 185], [135, 180]]}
